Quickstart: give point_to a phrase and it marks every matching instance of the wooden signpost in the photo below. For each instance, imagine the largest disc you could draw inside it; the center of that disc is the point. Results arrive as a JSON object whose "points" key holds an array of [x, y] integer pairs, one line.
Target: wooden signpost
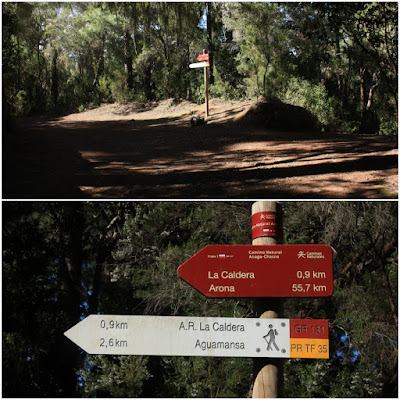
{"points": [[201, 336], [267, 229], [205, 64]]}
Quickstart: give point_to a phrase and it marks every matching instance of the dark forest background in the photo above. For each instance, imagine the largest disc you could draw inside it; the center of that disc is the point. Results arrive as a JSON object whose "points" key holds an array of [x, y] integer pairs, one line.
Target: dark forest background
{"points": [[337, 60], [65, 260]]}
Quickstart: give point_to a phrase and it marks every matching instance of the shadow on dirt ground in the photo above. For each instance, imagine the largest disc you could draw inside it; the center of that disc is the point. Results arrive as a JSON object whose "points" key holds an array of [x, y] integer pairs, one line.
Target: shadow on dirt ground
{"points": [[164, 157]]}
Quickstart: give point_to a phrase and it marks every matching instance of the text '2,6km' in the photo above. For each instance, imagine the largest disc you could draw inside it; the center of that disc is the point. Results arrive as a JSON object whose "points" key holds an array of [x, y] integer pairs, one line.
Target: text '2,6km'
{"points": [[201, 336], [261, 271]]}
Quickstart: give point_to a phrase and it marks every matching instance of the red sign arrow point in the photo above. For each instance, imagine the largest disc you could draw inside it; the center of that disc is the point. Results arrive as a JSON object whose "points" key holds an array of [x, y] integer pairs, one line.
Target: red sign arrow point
{"points": [[261, 271]]}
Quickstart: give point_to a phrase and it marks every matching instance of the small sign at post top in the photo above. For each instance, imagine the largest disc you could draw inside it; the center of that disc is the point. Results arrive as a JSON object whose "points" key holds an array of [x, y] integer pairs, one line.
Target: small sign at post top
{"points": [[266, 223], [202, 336]]}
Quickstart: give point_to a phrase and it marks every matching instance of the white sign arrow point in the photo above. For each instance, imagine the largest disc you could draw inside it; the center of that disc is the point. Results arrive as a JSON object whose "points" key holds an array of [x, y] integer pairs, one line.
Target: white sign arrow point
{"points": [[79, 334]]}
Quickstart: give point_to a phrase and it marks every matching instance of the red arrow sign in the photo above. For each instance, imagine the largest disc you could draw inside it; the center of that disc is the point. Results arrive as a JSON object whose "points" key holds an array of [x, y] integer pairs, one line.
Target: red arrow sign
{"points": [[203, 57], [261, 271]]}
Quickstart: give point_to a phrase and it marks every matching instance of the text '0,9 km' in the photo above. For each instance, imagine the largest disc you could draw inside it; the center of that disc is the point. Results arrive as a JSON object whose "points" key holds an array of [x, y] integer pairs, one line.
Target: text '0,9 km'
{"points": [[113, 324]]}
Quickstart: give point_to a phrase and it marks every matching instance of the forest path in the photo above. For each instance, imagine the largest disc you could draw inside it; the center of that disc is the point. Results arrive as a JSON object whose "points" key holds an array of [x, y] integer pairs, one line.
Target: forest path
{"points": [[151, 151]]}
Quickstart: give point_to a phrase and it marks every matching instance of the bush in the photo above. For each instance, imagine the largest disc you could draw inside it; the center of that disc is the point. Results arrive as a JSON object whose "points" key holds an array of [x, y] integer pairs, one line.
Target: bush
{"points": [[225, 90], [312, 97], [350, 127], [388, 126], [117, 88], [21, 104]]}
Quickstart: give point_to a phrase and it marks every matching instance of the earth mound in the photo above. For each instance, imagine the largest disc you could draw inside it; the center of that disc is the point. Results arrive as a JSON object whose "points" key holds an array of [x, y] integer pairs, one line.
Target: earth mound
{"points": [[280, 116]]}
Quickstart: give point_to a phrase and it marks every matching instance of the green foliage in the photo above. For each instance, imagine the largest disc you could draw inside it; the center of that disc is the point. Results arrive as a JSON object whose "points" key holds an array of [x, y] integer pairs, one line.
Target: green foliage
{"points": [[350, 127], [213, 377], [312, 97], [114, 376], [317, 379], [388, 125], [118, 90], [362, 311], [21, 104]]}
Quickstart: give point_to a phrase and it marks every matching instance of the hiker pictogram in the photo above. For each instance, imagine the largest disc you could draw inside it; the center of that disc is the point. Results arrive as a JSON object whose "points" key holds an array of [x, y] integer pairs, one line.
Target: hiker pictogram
{"points": [[271, 341]]}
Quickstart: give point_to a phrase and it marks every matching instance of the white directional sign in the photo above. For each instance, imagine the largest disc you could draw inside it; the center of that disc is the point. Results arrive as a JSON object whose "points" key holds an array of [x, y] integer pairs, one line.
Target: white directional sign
{"points": [[200, 64], [182, 336], [201, 336]]}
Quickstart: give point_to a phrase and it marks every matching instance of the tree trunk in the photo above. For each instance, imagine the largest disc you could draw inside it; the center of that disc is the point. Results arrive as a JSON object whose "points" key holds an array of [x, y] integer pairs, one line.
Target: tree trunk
{"points": [[54, 79], [362, 92], [147, 83], [128, 60], [375, 79], [71, 296], [209, 42], [18, 64], [265, 79], [71, 229], [100, 63], [39, 64]]}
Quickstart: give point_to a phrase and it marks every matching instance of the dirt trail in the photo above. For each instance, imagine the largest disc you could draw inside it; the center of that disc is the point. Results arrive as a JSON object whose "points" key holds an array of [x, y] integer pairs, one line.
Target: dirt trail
{"points": [[151, 152]]}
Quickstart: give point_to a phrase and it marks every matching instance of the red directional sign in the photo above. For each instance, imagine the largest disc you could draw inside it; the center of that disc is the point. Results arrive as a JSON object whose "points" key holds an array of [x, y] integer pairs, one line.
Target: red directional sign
{"points": [[261, 271], [203, 57]]}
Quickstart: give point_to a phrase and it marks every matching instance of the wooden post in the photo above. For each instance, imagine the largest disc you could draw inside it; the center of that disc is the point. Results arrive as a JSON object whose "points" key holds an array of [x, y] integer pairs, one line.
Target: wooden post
{"points": [[267, 230], [206, 89]]}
